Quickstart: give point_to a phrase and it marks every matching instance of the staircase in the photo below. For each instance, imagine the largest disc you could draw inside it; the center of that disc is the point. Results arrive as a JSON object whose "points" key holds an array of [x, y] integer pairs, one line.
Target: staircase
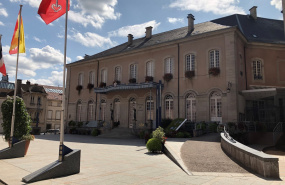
{"points": [[118, 133]]}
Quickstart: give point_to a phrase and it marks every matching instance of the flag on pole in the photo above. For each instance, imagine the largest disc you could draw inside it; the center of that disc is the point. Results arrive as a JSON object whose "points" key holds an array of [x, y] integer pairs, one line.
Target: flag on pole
{"points": [[2, 65], [14, 42], [50, 10]]}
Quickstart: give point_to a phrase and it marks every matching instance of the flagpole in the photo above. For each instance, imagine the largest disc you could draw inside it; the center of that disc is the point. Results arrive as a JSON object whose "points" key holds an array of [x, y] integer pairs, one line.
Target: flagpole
{"points": [[63, 93], [16, 76]]}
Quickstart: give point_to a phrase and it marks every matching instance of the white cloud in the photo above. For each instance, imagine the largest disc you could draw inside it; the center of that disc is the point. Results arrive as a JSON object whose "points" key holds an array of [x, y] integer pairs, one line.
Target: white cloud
{"points": [[55, 79], [1, 23], [89, 39], [174, 20], [79, 57], [137, 30], [45, 58], [277, 4], [39, 40], [3, 12], [220, 7]]}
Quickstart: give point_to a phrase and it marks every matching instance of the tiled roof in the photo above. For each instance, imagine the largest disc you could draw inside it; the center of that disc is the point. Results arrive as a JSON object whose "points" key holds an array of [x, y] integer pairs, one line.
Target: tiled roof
{"points": [[260, 30], [54, 93]]}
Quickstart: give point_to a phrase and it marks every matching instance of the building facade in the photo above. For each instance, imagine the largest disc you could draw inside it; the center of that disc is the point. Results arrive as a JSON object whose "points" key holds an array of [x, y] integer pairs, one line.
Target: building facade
{"points": [[224, 70]]}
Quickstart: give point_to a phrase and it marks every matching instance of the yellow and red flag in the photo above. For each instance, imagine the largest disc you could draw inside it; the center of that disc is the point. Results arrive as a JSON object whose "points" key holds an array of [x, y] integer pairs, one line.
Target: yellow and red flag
{"points": [[14, 42]]}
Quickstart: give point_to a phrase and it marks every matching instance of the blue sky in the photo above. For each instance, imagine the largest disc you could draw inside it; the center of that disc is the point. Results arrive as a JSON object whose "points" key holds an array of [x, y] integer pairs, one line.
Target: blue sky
{"points": [[96, 25]]}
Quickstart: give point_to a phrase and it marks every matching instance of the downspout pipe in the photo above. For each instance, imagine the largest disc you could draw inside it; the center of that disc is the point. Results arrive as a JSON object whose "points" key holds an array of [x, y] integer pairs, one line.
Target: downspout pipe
{"points": [[178, 80], [245, 71], [97, 82]]}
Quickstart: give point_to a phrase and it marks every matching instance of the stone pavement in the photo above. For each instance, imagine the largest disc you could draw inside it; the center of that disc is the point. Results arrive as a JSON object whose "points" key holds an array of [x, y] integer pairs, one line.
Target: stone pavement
{"points": [[113, 161]]}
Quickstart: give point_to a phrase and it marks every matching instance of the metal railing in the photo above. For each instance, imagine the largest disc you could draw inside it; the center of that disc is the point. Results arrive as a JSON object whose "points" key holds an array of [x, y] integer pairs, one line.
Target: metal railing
{"points": [[277, 130], [227, 135]]}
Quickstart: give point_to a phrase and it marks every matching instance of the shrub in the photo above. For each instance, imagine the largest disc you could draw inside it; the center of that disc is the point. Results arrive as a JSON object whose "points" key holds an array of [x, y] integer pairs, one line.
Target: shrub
{"points": [[187, 134], [90, 86], [180, 135], [213, 127], [167, 77], [214, 71], [165, 122], [22, 124], [102, 84], [79, 124], [154, 145], [159, 134], [95, 132], [142, 134], [189, 74], [148, 79], [79, 87], [71, 123], [132, 80]]}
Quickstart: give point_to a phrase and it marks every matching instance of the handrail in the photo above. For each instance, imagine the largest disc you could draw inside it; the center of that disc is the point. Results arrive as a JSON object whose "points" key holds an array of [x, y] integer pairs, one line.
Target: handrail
{"points": [[278, 128], [227, 135]]}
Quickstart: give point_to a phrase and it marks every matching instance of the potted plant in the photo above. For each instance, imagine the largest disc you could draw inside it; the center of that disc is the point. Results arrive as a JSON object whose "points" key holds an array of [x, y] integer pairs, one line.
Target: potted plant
{"points": [[148, 79], [27, 138], [79, 88], [22, 124], [90, 86], [214, 71], [132, 80], [102, 84], [167, 77], [189, 74], [117, 82]]}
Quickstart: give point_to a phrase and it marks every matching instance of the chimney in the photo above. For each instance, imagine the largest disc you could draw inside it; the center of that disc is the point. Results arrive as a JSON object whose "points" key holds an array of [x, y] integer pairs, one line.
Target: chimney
{"points": [[253, 12], [19, 88], [28, 82], [148, 32], [130, 39], [190, 23]]}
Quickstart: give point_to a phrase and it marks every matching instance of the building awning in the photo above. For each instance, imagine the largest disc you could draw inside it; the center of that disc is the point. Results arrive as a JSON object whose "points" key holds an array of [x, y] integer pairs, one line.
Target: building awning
{"points": [[127, 87], [256, 94]]}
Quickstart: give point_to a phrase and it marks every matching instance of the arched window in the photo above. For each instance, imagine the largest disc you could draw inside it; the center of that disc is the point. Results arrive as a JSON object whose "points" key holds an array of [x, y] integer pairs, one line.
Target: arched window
{"points": [[168, 65], [102, 110], [118, 73], [91, 108], [191, 107], [216, 106], [80, 79], [91, 77], [133, 71], [104, 75], [79, 111], [169, 106], [190, 62], [149, 68], [149, 108], [117, 110], [214, 57]]}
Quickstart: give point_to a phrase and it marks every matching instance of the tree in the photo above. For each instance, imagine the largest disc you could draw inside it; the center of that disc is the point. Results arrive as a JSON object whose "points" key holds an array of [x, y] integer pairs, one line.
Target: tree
{"points": [[22, 125]]}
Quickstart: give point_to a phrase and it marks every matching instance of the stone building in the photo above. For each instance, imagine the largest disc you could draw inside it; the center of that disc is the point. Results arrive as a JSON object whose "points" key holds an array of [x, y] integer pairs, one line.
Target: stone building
{"points": [[226, 70]]}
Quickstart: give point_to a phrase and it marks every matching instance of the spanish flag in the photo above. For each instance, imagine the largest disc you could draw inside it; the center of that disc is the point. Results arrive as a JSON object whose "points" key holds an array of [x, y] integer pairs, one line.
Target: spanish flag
{"points": [[14, 43], [2, 65]]}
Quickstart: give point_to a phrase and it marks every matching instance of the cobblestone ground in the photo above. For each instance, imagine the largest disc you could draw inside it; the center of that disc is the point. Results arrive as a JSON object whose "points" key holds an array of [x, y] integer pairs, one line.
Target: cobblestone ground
{"points": [[204, 154]]}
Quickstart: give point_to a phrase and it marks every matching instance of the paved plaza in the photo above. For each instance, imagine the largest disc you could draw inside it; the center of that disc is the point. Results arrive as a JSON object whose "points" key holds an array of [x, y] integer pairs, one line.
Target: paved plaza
{"points": [[115, 161]]}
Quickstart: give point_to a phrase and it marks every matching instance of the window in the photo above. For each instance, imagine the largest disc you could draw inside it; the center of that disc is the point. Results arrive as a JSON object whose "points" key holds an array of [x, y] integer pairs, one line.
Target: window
{"points": [[214, 58], [80, 79], [216, 106], [168, 65], [104, 75], [133, 71], [32, 100], [103, 110], [90, 111], [117, 110], [39, 100], [91, 77], [257, 70], [57, 115], [49, 116], [78, 111], [191, 107], [169, 106], [149, 108], [118, 73], [59, 104], [149, 68], [50, 103], [190, 62]]}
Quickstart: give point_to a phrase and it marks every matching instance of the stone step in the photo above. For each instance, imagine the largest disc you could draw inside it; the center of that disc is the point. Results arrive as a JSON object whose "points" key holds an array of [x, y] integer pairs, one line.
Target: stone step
{"points": [[123, 133]]}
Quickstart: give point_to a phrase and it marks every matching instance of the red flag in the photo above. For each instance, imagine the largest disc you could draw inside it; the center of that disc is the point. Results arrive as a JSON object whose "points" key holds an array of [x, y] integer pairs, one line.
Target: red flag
{"points": [[50, 10], [14, 42], [2, 65]]}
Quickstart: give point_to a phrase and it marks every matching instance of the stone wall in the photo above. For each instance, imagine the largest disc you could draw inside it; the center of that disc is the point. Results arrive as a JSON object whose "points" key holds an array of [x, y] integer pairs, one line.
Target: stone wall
{"points": [[256, 161]]}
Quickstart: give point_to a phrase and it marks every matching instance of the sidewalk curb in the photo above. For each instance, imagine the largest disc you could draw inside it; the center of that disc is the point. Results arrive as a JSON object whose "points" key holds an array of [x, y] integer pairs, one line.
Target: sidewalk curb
{"points": [[169, 152]]}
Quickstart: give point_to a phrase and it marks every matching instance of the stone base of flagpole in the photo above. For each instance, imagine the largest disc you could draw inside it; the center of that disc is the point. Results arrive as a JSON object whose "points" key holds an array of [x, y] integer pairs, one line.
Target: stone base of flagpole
{"points": [[69, 166], [17, 150]]}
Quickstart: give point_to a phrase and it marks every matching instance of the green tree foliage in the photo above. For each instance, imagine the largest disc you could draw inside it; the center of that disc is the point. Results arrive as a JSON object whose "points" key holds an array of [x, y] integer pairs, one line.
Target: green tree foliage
{"points": [[154, 145], [22, 124]]}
